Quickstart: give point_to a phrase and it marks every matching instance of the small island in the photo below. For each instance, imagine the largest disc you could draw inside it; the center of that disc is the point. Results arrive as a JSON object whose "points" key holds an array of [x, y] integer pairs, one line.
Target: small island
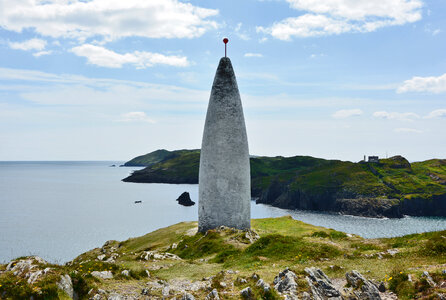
{"points": [[390, 187], [185, 200]]}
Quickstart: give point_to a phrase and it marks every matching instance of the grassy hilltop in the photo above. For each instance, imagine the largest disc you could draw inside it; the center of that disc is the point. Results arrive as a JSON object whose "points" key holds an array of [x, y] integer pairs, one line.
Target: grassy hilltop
{"points": [[392, 187], [172, 261]]}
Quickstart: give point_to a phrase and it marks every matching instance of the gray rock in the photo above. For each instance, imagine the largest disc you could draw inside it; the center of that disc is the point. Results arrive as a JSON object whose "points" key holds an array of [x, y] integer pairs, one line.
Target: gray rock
{"points": [[224, 174], [165, 291], [382, 287], [285, 283], [101, 257], [265, 286], [66, 285], [364, 289], [115, 296], [144, 292], [102, 274], [429, 279], [306, 296], [154, 255], [320, 285], [213, 295], [247, 293], [125, 273], [240, 280], [187, 296]]}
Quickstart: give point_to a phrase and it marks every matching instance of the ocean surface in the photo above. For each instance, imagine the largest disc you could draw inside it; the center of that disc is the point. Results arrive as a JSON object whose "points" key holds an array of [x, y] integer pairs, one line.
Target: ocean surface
{"points": [[58, 210]]}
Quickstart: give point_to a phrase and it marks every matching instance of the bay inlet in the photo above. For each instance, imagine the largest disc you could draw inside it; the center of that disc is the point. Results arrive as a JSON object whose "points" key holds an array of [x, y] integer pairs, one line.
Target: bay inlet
{"points": [[58, 210]]}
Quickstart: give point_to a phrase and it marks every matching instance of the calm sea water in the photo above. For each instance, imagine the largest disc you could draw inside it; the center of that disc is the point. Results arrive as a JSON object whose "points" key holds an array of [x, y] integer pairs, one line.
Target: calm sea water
{"points": [[58, 210]]}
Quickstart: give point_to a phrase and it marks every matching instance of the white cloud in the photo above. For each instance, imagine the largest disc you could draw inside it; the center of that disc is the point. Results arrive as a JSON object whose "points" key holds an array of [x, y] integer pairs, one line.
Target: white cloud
{"points": [[430, 84], [407, 130], [41, 53], [408, 116], [330, 17], [108, 19], [103, 57], [136, 116], [253, 55], [73, 90], [346, 113], [32, 44], [242, 35], [438, 113]]}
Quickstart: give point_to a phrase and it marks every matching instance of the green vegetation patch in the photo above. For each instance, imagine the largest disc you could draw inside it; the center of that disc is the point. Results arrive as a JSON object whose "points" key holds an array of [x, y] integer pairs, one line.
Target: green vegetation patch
{"points": [[286, 247], [202, 245]]}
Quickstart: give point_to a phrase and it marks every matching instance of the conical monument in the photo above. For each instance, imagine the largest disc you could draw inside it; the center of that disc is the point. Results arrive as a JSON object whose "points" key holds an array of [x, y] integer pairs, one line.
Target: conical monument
{"points": [[224, 177]]}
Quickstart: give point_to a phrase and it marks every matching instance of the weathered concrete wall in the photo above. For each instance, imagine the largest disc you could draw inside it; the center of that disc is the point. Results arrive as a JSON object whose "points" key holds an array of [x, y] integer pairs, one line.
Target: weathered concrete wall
{"points": [[224, 177]]}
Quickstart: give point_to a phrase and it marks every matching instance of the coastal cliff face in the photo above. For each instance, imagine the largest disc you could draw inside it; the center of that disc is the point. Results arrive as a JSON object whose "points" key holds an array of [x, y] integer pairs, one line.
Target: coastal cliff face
{"points": [[390, 188]]}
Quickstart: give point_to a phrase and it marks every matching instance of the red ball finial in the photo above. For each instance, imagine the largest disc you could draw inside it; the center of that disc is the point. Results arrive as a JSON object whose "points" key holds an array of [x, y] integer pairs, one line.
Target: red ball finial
{"points": [[225, 40]]}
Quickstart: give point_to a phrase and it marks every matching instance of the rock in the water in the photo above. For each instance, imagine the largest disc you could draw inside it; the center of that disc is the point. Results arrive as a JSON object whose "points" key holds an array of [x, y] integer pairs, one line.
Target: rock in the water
{"points": [[285, 283], [364, 289], [320, 284], [213, 295], [185, 200], [247, 293], [66, 285], [102, 274]]}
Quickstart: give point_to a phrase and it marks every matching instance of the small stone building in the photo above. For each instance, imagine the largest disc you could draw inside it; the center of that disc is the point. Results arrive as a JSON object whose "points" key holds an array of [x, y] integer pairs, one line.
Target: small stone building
{"points": [[373, 159]]}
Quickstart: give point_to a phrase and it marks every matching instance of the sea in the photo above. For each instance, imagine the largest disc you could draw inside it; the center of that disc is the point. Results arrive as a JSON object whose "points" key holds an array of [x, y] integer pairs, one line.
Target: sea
{"points": [[58, 210]]}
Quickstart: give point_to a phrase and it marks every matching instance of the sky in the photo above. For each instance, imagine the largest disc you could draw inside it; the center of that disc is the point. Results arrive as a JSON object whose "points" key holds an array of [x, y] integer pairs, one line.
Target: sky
{"points": [[111, 79]]}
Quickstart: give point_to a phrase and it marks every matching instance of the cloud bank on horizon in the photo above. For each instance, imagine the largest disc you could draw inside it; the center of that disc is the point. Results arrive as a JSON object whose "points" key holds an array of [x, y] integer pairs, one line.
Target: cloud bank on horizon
{"points": [[331, 78]]}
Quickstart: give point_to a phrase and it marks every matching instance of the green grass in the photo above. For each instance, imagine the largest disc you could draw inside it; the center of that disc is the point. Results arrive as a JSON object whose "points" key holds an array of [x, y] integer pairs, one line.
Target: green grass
{"points": [[283, 242]]}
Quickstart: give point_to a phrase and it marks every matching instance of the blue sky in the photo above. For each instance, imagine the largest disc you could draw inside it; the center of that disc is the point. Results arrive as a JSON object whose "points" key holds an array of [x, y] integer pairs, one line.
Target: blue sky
{"points": [[109, 80]]}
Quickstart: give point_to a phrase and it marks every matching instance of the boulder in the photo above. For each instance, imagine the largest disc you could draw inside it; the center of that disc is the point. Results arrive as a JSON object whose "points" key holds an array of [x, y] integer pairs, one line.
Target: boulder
{"points": [[213, 295], [247, 293], [285, 283], [363, 288], [320, 285], [115, 296], [102, 274], [185, 200], [429, 279], [265, 286], [154, 255], [66, 285], [187, 296]]}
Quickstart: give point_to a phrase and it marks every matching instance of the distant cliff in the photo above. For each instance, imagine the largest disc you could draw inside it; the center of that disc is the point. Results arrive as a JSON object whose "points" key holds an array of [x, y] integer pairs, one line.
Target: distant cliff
{"points": [[392, 187]]}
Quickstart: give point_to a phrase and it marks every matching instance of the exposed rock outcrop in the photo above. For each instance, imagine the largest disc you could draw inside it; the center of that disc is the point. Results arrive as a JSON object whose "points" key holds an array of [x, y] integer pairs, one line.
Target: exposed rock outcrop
{"points": [[361, 287], [66, 285], [320, 285], [285, 283]]}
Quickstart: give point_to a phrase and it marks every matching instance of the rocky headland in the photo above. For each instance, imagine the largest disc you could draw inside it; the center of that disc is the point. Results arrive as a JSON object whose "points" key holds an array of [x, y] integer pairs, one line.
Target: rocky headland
{"points": [[278, 258], [392, 187]]}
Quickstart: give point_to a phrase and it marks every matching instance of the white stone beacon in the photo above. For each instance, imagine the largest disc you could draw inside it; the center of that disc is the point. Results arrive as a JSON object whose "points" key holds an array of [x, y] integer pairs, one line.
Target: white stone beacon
{"points": [[224, 176]]}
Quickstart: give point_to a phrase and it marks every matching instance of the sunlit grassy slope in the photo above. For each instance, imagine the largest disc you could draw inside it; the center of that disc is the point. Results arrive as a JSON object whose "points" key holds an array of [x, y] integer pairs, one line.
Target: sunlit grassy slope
{"points": [[281, 242]]}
